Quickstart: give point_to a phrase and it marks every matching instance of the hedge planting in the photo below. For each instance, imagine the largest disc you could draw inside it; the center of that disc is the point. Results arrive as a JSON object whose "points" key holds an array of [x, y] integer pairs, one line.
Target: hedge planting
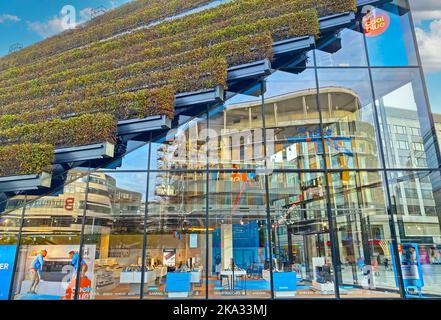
{"points": [[138, 104], [91, 32], [281, 27], [229, 14], [77, 131], [22, 159], [240, 50], [71, 89], [155, 49]]}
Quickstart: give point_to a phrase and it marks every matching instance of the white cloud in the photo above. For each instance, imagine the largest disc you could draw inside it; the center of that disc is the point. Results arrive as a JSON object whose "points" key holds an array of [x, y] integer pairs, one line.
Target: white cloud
{"points": [[429, 45], [426, 9], [85, 14], [9, 17], [47, 29]]}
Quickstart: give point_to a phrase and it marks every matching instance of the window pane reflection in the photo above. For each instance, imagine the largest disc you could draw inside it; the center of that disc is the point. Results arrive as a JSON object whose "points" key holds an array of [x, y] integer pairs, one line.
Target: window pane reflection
{"points": [[176, 236], [239, 263], [348, 118], [114, 230], [416, 198], [300, 233], [344, 49], [46, 267], [392, 43], [363, 232], [292, 121], [183, 147], [407, 133]]}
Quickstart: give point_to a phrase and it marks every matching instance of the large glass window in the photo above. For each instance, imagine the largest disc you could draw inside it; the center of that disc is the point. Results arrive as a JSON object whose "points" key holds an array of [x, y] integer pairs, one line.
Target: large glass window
{"points": [[183, 147], [292, 121], [407, 132], [343, 49], [236, 133], [359, 208], [348, 118], [302, 258], [114, 231], [389, 35], [47, 264], [238, 264], [416, 204], [176, 236]]}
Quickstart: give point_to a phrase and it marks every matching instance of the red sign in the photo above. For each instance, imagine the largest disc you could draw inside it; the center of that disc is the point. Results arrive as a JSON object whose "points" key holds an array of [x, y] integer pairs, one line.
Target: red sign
{"points": [[375, 24], [69, 204]]}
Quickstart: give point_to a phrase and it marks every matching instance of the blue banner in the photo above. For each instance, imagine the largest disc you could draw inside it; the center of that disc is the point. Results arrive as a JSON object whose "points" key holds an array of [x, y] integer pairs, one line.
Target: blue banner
{"points": [[7, 257]]}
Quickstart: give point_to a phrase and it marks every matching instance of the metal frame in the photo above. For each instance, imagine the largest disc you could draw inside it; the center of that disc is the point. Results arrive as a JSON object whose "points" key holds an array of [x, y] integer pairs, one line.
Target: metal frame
{"points": [[82, 153], [25, 182], [137, 126], [209, 96], [383, 169]]}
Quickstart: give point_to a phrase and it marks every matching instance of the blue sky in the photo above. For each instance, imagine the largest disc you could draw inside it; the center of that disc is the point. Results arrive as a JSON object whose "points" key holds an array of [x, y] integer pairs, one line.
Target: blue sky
{"points": [[29, 21]]}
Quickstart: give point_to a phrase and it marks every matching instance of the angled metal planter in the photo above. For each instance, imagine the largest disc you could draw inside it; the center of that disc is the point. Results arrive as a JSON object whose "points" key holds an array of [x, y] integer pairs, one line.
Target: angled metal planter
{"points": [[293, 45], [138, 126], [243, 78], [83, 153], [251, 70], [25, 182], [361, 3], [336, 21], [209, 96]]}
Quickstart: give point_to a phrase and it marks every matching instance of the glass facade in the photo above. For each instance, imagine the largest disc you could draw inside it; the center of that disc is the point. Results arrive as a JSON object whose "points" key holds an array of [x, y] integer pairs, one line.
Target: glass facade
{"points": [[322, 181]]}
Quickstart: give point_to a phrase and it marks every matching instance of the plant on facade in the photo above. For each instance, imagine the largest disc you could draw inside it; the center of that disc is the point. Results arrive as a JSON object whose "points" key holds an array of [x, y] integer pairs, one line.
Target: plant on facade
{"points": [[77, 131], [107, 27], [71, 89], [19, 159]]}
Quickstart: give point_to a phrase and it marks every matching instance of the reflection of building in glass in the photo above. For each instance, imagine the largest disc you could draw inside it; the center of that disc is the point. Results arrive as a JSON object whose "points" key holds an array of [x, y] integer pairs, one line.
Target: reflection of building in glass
{"points": [[322, 178]]}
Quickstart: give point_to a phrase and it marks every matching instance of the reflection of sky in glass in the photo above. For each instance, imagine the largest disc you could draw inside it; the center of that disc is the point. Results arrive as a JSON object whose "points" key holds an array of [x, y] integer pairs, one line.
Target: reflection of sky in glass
{"points": [[352, 52], [133, 181], [137, 159], [355, 79], [395, 46]]}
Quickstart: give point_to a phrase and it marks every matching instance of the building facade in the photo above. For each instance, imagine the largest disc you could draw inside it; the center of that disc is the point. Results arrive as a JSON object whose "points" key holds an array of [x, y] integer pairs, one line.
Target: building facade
{"points": [[320, 180]]}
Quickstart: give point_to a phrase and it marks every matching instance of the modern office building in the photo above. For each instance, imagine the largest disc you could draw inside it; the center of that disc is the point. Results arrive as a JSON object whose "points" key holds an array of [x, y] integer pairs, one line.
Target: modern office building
{"points": [[312, 174]]}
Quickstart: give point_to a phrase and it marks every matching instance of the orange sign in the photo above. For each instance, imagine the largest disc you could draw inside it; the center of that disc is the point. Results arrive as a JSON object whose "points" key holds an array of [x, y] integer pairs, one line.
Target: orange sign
{"points": [[375, 24], [237, 177]]}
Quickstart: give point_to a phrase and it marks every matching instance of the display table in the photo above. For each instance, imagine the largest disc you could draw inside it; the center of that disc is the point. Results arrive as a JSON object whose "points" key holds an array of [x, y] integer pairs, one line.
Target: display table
{"points": [[133, 278], [285, 284], [177, 284], [195, 277], [323, 288], [161, 272], [231, 276]]}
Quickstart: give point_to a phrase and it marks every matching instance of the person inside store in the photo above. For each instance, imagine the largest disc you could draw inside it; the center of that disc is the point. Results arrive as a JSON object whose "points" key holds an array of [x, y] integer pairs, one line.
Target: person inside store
{"points": [[218, 267], [35, 271], [75, 257], [386, 264], [182, 267]]}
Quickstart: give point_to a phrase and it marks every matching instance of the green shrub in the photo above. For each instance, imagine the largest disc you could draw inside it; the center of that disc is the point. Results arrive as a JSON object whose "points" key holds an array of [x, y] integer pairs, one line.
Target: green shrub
{"points": [[70, 90], [82, 130], [233, 13], [107, 27], [139, 104], [21, 159]]}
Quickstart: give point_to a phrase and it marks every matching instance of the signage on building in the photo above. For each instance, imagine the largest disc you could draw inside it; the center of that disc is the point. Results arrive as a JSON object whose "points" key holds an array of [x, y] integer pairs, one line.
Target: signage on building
{"points": [[375, 23], [69, 204], [7, 257]]}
